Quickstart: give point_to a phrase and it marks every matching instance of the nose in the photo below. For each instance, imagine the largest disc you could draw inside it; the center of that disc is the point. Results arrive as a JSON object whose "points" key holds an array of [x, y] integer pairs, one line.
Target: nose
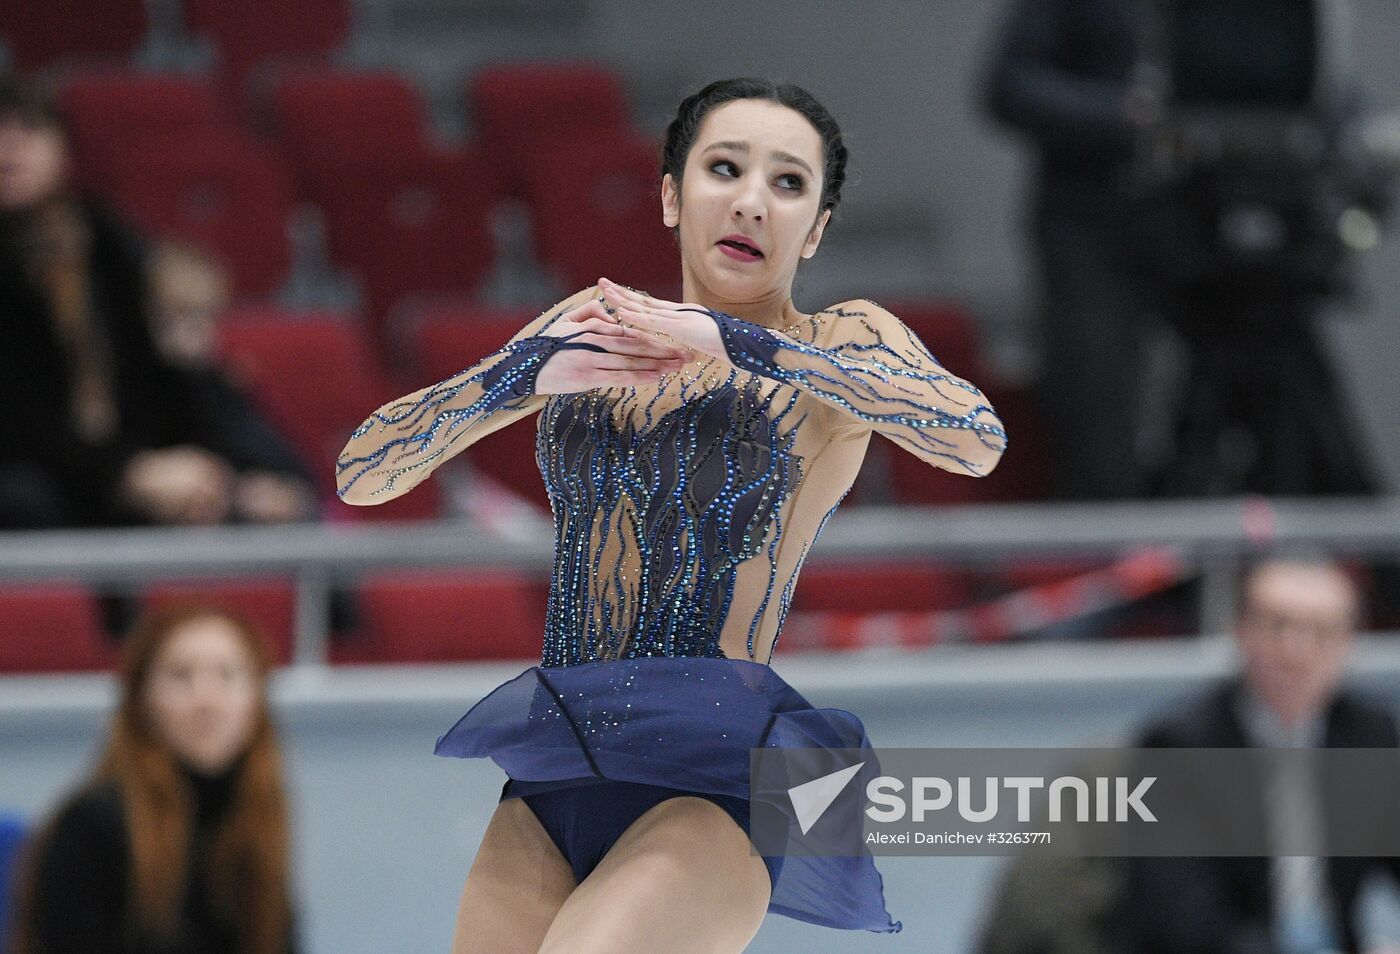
{"points": [[749, 203]]}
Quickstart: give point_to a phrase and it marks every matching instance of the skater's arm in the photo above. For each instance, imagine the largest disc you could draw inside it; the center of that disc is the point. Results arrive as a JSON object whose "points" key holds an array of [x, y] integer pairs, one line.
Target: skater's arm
{"points": [[879, 377], [403, 442]]}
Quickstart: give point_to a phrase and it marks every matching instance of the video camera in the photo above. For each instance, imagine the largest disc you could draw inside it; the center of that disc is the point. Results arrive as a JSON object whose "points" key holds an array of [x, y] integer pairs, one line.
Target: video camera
{"points": [[1279, 197]]}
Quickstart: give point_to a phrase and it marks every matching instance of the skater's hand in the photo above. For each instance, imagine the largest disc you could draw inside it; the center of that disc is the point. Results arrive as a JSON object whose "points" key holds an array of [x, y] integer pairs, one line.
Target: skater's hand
{"points": [[688, 325], [630, 356]]}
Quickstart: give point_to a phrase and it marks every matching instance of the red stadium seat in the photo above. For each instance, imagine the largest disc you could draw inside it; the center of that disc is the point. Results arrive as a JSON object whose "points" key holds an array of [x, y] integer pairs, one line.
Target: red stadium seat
{"points": [[40, 34], [51, 627], [317, 379], [604, 216], [224, 192], [451, 338], [879, 588], [518, 106], [947, 331], [447, 616], [411, 221], [249, 32], [856, 606], [916, 481], [1024, 471], [110, 111], [950, 335], [269, 605], [324, 113]]}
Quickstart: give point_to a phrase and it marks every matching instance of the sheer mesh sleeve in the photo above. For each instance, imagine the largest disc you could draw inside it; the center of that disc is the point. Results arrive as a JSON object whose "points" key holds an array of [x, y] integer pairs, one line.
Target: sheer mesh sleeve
{"points": [[879, 377], [400, 444]]}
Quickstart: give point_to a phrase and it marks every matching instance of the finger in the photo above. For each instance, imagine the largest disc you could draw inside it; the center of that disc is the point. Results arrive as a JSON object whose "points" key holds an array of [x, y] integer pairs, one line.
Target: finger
{"points": [[603, 326], [593, 308], [644, 346], [640, 298], [622, 379], [653, 302], [646, 338], [625, 362], [619, 294], [644, 319], [623, 342], [660, 329]]}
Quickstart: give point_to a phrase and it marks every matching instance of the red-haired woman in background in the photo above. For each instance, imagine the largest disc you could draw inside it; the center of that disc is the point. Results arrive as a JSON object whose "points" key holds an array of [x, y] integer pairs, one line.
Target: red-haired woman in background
{"points": [[178, 843]]}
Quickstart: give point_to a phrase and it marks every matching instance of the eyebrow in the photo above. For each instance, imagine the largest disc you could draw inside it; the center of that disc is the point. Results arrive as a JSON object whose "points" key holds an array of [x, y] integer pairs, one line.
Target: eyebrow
{"points": [[744, 148]]}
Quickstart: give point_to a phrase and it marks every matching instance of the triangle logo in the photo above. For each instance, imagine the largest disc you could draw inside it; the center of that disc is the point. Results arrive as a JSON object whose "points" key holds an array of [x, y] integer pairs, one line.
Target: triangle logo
{"points": [[810, 800]]}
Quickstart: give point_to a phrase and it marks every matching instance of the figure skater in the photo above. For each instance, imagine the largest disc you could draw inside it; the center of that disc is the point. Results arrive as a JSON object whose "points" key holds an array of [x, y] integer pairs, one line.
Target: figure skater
{"points": [[692, 451]]}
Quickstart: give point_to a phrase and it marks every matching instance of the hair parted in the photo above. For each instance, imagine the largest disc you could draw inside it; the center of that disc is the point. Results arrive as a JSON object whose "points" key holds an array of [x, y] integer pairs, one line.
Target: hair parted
{"points": [[685, 127]]}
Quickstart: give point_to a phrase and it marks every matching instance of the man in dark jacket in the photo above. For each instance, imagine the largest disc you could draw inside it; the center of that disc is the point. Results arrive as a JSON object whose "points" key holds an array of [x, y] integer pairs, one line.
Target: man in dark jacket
{"points": [[1295, 632], [97, 429], [1126, 103]]}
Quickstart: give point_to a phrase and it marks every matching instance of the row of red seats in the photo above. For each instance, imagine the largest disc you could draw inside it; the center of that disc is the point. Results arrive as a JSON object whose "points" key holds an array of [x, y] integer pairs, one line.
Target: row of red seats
{"points": [[244, 33], [400, 617], [317, 377], [407, 616], [402, 211]]}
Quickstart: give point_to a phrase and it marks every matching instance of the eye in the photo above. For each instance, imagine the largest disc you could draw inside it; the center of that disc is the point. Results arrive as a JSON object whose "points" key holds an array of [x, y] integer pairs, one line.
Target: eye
{"points": [[797, 180], [723, 162]]}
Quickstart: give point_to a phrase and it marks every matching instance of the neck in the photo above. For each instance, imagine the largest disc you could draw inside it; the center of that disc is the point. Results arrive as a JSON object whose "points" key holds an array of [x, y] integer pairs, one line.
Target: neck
{"points": [[1284, 714], [774, 310], [212, 791]]}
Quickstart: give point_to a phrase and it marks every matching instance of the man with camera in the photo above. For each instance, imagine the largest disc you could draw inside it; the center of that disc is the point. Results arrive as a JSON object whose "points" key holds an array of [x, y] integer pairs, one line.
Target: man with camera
{"points": [[1209, 162]]}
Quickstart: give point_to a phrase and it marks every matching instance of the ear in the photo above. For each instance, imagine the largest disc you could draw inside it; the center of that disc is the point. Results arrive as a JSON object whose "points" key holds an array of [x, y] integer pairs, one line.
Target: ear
{"points": [[670, 202], [814, 238]]}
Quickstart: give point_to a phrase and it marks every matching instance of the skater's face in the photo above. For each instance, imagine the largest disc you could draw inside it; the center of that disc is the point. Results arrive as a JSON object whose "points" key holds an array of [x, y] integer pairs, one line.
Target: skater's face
{"points": [[1295, 632], [203, 694], [755, 170]]}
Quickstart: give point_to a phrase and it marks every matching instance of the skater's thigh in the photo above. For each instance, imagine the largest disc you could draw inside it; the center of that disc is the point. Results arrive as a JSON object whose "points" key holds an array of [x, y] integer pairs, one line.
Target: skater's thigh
{"points": [[515, 887]]}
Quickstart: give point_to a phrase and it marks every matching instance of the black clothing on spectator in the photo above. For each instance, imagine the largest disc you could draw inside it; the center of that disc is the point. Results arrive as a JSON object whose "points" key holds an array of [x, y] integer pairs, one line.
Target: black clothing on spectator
{"points": [[1223, 905], [50, 474], [82, 892]]}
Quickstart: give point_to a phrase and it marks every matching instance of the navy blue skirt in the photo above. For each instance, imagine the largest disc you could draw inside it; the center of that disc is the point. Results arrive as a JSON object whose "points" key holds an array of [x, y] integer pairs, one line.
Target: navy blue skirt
{"points": [[675, 724]]}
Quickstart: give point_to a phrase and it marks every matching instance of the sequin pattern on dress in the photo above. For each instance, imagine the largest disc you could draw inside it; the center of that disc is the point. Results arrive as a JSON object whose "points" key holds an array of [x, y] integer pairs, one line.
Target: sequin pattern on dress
{"points": [[684, 509], [654, 519]]}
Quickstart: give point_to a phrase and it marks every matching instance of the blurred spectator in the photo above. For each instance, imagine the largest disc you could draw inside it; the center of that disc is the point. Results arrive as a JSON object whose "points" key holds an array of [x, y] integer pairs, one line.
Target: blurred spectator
{"points": [[1294, 631], [189, 291], [1209, 160], [178, 843], [1055, 905], [98, 428]]}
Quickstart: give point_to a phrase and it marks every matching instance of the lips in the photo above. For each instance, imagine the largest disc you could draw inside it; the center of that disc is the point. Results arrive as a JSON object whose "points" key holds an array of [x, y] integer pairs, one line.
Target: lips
{"points": [[742, 243]]}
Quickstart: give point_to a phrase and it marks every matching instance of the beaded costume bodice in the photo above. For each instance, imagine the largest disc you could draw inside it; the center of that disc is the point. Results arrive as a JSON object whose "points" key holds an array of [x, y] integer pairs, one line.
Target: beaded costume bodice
{"points": [[684, 509]]}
